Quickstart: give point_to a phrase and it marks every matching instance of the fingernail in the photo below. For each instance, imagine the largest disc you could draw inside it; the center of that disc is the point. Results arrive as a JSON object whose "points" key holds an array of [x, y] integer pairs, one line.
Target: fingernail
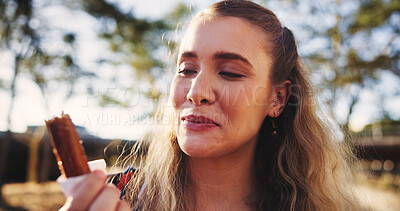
{"points": [[99, 174]]}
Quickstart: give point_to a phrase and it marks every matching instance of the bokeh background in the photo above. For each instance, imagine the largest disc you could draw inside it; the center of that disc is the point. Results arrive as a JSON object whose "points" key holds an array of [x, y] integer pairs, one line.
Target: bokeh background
{"points": [[108, 63]]}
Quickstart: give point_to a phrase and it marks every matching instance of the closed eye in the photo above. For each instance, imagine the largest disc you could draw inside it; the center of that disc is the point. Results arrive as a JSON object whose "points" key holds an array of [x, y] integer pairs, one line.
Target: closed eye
{"points": [[231, 75], [186, 72]]}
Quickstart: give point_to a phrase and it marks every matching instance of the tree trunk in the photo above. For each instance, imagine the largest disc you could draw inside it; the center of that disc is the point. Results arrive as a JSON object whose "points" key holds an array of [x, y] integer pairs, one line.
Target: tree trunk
{"points": [[45, 161], [6, 141], [33, 157], [17, 59]]}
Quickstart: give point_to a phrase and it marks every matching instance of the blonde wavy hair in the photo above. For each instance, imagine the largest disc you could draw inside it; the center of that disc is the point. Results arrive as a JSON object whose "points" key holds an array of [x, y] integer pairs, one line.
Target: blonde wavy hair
{"points": [[303, 168]]}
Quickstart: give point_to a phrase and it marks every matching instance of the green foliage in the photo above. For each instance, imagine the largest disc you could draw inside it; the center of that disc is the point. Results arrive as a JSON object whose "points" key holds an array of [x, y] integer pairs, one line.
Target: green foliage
{"points": [[355, 57], [23, 39], [137, 41], [25, 42], [372, 14]]}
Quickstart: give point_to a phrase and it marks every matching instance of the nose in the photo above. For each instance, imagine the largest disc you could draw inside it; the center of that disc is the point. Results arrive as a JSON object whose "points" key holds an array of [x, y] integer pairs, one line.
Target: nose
{"points": [[201, 90]]}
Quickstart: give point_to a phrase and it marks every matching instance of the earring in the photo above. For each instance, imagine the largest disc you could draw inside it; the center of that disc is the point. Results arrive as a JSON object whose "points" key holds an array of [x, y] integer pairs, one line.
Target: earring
{"points": [[274, 127]]}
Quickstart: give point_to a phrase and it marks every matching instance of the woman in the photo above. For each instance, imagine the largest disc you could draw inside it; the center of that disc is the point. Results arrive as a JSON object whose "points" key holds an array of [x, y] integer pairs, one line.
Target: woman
{"points": [[244, 134]]}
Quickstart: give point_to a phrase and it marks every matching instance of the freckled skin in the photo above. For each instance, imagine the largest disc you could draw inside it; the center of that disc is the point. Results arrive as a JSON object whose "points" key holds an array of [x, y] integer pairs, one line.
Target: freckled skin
{"points": [[237, 104]]}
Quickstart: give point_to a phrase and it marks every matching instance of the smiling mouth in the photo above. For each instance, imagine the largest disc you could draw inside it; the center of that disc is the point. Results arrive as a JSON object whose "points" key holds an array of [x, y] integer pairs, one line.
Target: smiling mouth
{"points": [[196, 122]]}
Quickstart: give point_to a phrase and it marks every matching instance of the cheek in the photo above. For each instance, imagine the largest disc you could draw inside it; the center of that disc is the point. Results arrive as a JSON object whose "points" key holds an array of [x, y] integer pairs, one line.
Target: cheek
{"points": [[237, 97], [178, 92], [260, 96], [246, 105]]}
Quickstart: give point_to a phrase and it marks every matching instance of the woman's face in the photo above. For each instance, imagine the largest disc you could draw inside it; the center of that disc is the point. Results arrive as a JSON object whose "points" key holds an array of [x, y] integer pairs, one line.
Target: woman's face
{"points": [[221, 91]]}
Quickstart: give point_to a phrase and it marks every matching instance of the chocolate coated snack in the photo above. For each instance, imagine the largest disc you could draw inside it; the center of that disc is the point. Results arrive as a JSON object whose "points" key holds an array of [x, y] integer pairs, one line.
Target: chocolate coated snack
{"points": [[67, 146]]}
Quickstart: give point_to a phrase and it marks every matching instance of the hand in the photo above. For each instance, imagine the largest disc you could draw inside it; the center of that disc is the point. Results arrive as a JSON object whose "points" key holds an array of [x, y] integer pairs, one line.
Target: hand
{"points": [[93, 194]]}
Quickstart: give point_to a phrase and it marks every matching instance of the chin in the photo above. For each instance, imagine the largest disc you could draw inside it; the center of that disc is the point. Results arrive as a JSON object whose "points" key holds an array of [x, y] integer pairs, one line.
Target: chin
{"points": [[196, 147]]}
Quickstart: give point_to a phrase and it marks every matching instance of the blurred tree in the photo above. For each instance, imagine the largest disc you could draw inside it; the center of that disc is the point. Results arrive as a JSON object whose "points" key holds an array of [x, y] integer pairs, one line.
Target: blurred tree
{"points": [[350, 46], [364, 63], [137, 42], [134, 41], [24, 34]]}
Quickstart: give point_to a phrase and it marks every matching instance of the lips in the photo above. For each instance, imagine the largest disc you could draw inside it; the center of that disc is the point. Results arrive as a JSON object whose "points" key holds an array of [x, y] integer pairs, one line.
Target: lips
{"points": [[198, 122]]}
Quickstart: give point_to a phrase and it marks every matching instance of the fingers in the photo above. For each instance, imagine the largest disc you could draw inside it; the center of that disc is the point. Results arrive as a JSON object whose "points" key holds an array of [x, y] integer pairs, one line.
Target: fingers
{"points": [[87, 191], [93, 195], [108, 199], [123, 206], [66, 205]]}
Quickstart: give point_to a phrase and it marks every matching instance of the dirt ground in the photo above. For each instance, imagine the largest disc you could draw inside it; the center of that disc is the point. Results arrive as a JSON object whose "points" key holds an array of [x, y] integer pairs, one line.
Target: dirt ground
{"points": [[32, 196], [48, 196]]}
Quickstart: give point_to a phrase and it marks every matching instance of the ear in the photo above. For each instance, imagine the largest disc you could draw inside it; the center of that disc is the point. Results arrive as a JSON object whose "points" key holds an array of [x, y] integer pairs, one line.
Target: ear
{"points": [[281, 93]]}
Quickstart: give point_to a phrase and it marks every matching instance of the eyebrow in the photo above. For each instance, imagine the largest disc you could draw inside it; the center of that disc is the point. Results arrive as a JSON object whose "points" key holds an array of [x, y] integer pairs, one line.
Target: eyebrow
{"points": [[219, 55], [231, 56], [188, 54]]}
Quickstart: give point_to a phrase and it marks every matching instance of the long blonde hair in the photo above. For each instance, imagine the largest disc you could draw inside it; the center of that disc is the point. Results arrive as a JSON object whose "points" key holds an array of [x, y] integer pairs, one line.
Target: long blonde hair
{"points": [[302, 168]]}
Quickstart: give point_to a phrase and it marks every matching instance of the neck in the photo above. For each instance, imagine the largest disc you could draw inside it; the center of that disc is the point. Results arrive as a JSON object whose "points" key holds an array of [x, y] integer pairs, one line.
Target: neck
{"points": [[222, 183]]}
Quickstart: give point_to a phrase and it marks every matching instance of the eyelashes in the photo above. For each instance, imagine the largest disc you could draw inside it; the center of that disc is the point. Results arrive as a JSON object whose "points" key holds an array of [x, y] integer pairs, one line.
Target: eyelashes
{"points": [[186, 71], [229, 75]]}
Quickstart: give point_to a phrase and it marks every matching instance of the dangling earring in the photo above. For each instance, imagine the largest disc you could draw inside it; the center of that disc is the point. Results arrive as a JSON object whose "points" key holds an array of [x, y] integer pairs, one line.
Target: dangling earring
{"points": [[274, 128]]}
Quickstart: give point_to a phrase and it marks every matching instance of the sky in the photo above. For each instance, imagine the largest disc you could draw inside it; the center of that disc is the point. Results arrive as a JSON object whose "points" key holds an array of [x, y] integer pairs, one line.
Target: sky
{"points": [[107, 122], [127, 123]]}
